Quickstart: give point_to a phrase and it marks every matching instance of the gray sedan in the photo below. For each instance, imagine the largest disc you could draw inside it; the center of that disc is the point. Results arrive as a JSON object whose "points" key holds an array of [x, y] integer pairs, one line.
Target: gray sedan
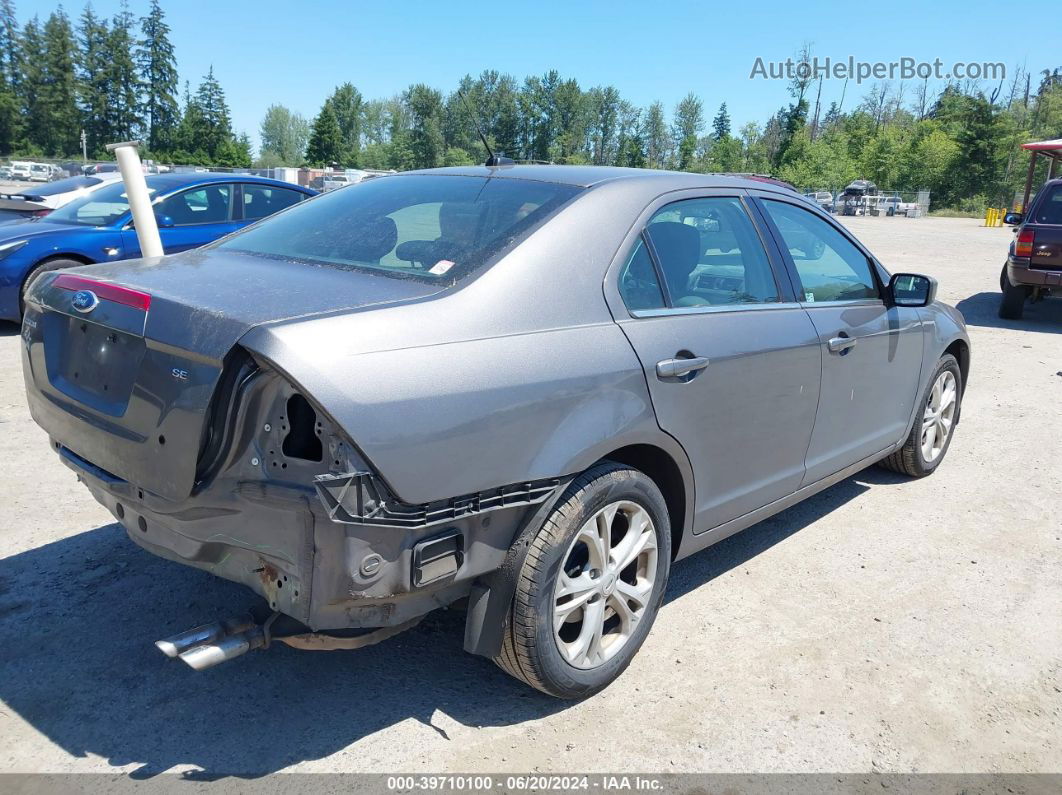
{"points": [[527, 390]]}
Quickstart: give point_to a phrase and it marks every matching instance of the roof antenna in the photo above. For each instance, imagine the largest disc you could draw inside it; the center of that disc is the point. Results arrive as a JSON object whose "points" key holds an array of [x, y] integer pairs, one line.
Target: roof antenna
{"points": [[492, 159]]}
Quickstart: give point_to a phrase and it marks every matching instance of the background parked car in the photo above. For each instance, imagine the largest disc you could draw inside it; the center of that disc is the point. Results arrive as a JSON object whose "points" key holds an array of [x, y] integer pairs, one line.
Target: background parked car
{"points": [[61, 191], [1033, 270], [192, 210]]}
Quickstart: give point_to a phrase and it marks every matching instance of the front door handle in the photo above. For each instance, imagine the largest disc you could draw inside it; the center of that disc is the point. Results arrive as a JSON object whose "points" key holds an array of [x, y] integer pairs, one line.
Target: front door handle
{"points": [[841, 344], [676, 368]]}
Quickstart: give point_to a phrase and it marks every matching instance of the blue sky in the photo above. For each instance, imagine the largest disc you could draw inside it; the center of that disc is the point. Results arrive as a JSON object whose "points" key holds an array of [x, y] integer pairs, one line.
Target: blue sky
{"points": [[295, 53]]}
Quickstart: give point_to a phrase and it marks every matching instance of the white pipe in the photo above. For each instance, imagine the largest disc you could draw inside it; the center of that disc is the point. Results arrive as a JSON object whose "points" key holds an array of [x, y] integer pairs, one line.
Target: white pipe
{"points": [[147, 229]]}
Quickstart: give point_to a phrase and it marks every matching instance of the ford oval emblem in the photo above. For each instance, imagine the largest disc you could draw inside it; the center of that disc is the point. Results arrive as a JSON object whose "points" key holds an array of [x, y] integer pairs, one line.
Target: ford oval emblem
{"points": [[85, 301]]}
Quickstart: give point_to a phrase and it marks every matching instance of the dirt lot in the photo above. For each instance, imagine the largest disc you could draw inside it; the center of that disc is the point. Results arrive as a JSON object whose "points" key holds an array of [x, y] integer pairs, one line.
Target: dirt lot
{"points": [[883, 625]]}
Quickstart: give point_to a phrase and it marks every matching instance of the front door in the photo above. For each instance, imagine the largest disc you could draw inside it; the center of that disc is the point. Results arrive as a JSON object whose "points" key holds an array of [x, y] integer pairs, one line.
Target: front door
{"points": [[871, 353], [731, 360], [190, 219]]}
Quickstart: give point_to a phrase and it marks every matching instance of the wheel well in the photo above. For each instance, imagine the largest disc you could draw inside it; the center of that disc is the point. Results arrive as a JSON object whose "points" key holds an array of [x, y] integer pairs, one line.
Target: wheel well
{"points": [[665, 473], [961, 351], [52, 258]]}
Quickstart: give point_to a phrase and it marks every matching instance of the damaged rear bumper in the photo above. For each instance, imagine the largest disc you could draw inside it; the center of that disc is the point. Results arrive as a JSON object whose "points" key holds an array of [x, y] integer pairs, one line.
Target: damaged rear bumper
{"points": [[286, 544]]}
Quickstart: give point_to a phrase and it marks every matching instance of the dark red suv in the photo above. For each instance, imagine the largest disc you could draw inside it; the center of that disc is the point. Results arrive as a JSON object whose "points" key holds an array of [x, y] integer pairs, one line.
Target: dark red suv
{"points": [[1034, 264]]}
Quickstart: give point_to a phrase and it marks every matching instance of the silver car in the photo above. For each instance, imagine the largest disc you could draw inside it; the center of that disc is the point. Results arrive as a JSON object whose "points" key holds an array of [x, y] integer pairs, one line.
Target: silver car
{"points": [[528, 390]]}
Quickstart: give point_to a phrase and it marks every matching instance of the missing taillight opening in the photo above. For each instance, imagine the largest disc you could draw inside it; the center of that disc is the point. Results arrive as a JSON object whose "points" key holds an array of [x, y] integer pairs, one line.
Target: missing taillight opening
{"points": [[302, 440]]}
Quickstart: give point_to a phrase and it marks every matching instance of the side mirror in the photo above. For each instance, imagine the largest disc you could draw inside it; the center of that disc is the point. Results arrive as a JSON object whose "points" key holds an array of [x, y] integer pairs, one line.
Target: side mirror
{"points": [[1012, 219], [912, 289], [164, 221]]}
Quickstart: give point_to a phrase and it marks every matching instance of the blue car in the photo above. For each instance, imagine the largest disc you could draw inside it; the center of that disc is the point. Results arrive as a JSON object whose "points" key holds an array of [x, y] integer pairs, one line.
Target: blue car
{"points": [[192, 210]]}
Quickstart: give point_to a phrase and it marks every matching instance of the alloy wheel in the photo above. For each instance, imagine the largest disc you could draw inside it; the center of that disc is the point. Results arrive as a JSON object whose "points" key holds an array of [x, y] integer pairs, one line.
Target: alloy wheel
{"points": [[939, 416], [605, 585]]}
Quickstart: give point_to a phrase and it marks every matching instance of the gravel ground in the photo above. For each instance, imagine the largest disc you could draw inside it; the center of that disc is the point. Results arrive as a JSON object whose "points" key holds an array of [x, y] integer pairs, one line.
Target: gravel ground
{"points": [[883, 625]]}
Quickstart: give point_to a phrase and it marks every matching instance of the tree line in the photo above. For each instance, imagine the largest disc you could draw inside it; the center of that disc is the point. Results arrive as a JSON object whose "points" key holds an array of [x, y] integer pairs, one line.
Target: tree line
{"points": [[118, 80]]}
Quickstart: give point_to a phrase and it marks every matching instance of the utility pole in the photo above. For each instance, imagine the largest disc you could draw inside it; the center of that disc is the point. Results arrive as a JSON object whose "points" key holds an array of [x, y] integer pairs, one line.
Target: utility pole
{"points": [[84, 146]]}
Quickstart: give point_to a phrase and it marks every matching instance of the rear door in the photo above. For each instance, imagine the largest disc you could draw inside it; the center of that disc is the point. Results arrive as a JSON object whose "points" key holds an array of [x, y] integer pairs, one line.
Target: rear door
{"points": [[731, 359], [871, 353], [190, 218]]}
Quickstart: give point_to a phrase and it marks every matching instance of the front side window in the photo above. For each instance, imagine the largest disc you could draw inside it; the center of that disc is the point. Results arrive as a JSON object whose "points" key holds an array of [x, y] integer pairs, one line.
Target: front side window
{"points": [[434, 227], [209, 204], [708, 253], [262, 200], [830, 266]]}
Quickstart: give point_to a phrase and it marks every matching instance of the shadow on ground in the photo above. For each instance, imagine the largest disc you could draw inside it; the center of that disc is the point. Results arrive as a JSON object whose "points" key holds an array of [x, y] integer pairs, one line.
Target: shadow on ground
{"points": [[981, 310], [78, 619], [8, 329]]}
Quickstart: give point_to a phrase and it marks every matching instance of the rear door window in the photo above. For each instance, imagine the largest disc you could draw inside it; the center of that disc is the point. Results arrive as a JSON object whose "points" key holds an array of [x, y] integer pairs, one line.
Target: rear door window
{"points": [[262, 200]]}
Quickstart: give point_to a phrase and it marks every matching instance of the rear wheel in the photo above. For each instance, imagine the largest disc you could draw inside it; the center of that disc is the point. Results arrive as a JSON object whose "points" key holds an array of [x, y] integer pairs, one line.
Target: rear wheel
{"points": [[43, 267], [931, 434], [591, 584], [1012, 304]]}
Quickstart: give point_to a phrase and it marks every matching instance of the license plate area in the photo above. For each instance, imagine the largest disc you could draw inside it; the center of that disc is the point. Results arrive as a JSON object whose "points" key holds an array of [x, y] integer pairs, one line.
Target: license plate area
{"points": [[93, 364]]}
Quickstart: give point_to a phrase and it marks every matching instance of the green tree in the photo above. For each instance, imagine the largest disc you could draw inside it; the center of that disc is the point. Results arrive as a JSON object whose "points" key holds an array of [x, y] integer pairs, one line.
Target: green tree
{"points": [[426, 144], [158, 71], [326, 145], [689, 119], [654, 133], [721, 123], [215, 123], [29, 84], [93, 75], [10, 60], [346, 105], [284, 136], [123, 80], [54, 122]]}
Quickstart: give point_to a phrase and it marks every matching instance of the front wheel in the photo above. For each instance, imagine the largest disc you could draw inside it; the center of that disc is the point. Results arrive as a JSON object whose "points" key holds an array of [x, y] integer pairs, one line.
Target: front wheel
{"points": [[591, 584], [931, 434]]}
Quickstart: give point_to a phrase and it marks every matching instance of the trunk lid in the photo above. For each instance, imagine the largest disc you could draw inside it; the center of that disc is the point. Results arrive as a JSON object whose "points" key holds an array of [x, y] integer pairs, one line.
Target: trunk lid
{"points": [[121, 360]]}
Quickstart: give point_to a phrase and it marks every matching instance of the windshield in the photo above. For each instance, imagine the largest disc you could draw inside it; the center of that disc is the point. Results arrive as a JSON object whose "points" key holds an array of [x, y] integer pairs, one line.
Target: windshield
{"points": [[66, 185], [102, 207], [435, 227]]}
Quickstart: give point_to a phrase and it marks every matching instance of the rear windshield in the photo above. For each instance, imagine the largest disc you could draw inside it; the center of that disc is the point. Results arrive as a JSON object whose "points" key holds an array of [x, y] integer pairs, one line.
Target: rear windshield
{"points": [[1049, 209], [434, 227], [66, 185]]}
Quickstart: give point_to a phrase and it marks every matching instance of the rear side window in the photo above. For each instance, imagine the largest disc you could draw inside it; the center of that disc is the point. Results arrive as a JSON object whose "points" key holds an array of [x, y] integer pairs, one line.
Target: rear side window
{"points": [[830, 266], [262, 200], [708, 253], [1049, 210]]}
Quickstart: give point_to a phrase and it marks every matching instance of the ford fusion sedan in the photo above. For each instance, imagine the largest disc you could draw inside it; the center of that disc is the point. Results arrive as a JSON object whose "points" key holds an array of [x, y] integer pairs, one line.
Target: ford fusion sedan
{"points": [[527, 390], [192, 209]]}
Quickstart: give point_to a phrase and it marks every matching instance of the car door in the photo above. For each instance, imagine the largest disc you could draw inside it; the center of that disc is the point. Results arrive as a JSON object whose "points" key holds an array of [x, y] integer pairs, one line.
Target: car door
{"points": [[871, 352], [190, 218], [730, 358]]}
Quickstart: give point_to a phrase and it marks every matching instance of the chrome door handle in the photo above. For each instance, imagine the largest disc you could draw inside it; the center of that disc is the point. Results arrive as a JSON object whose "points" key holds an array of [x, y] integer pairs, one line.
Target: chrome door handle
{"points": [[675, 368], [841, 344]]}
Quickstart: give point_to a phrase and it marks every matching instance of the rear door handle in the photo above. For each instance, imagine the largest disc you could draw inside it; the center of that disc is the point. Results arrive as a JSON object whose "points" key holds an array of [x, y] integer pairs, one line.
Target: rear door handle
{"points": [[841, 344], [676, 368]]}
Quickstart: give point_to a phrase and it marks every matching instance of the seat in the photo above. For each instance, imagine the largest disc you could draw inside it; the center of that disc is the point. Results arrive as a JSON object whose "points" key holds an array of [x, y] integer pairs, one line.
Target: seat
{"points": [[678, 247]]}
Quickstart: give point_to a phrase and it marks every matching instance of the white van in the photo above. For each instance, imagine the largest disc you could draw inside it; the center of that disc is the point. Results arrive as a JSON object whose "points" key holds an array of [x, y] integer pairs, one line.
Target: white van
{"points": [[20, 169]]}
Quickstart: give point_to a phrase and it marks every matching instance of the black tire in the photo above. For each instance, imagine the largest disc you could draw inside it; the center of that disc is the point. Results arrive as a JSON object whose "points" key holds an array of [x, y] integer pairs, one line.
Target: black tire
{"points": [[1012, 304], [42, 267], [529, 649], [909, 460], [1003, 279]]}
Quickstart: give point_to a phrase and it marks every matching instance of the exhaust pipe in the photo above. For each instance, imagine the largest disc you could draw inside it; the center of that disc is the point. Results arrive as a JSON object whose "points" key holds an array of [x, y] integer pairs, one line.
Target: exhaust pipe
{"points": [[210, 644]]}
